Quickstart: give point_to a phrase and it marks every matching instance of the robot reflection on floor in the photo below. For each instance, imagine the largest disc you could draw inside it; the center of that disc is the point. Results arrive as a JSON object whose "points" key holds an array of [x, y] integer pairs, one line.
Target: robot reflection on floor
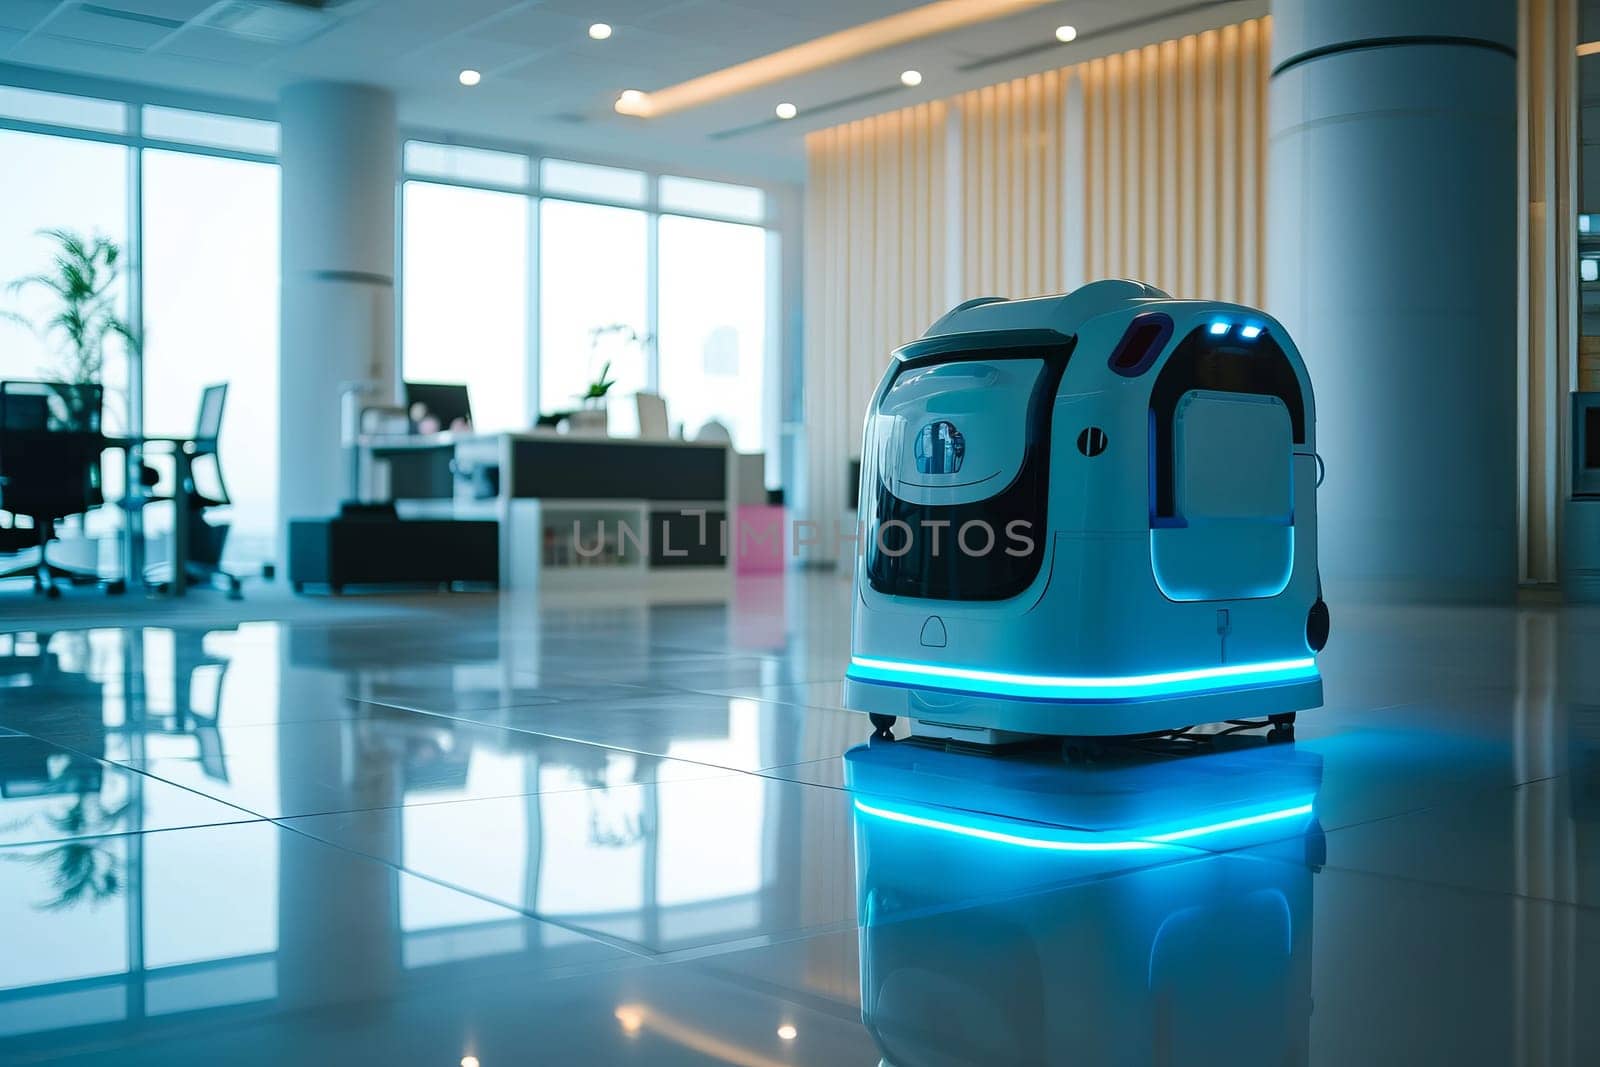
{"points": [[1153, 910], [1089, 515]]}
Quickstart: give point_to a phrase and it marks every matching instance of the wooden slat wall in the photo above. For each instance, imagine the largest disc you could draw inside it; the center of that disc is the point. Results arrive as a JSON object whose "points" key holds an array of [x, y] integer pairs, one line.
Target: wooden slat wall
{"points": [[1013, 196], [1147, 164], [1174, 161], [876, 237]]}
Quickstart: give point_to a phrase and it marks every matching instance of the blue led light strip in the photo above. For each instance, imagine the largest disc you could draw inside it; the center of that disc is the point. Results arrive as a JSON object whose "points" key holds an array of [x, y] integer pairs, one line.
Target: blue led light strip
{"points": [[1089, 842], [1062, 687]]}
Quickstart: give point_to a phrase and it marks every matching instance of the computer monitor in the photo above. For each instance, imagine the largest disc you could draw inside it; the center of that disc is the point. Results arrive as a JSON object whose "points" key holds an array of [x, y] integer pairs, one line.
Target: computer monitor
{"points": [[445, 402], [652, 409]]}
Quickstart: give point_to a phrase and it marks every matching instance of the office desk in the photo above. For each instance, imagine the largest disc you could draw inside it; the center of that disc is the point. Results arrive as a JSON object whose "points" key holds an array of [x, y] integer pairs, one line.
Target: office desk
{"points": [[132, 506], [647, 513]]}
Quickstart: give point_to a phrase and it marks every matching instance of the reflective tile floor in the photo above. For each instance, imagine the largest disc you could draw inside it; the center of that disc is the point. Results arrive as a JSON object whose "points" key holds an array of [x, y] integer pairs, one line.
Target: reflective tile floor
{"points": [[651, 834]]}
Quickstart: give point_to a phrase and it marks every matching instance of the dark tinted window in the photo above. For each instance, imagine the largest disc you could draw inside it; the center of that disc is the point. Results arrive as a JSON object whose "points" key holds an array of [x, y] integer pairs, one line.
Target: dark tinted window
{"points": [[1141, 344], [936, 567]]}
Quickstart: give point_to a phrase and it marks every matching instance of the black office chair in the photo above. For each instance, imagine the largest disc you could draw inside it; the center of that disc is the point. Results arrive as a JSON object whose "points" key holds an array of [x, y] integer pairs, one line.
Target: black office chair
{"points": [[207, 490], [50, 445]]}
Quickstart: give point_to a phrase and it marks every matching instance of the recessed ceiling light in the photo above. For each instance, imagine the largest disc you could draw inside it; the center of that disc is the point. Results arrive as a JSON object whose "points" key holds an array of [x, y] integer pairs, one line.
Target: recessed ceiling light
{"points": [[469, 77], [1066, 33], [787, 1032], [600, 31], [786, 110], [911, 77], [629, 100]]}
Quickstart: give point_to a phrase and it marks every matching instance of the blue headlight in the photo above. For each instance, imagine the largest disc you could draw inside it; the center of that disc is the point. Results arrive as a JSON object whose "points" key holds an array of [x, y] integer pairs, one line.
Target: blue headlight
{"points": [[1219, 327]]}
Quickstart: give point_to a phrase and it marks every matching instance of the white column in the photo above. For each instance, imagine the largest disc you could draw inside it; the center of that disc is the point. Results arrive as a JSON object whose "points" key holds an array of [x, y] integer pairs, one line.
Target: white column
{"points": [[340, 158], [1392, 260]]}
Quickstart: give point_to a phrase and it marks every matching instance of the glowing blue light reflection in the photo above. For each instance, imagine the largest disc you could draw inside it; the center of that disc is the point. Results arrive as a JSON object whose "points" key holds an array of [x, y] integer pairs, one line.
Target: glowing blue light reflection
{"points": [[1057, 839], [1250, 333], [1064, 687], [1219, 327]]}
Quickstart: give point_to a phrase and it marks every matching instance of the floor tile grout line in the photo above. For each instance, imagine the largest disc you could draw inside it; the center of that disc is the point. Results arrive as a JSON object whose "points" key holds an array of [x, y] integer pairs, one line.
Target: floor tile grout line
{"points": [[253, 820], [623, 945], [617, 748], [254, 816]]}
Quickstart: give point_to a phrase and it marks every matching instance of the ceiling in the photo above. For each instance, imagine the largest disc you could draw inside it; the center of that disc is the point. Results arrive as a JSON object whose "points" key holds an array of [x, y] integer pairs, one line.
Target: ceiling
{"points": [[544, 80]]}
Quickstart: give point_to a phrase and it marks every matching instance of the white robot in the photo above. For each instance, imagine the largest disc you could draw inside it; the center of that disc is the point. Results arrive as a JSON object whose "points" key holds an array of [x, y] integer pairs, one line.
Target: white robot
{"points": [[1089, 515]]}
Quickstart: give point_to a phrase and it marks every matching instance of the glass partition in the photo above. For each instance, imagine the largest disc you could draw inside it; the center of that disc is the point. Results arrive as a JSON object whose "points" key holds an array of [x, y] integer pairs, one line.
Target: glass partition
{"points": [[464, 296], [211, 316], [713, 314], [594, 275]]}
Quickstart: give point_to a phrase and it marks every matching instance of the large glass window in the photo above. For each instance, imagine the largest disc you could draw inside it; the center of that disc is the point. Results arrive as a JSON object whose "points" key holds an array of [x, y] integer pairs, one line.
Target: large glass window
{"points": [[82, 186], [465, 297], [594, 278], [713, 316], [56, 183], [211, 316]]}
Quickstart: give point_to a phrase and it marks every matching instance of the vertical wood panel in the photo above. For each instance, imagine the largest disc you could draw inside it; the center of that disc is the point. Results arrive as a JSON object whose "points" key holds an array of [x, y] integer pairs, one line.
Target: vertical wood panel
{"points": [[1114, 133], [1250, 163], [1053, 188], [990, 235], [1091, 167], [1133, 216], [1171, 171], [1188, 165], [1033, 213], [1150, 163], [1263, 75], [1228, 163], [1207, 205]]}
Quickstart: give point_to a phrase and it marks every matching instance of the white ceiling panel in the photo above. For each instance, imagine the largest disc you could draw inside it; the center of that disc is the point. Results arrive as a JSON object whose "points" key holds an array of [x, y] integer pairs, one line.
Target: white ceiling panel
{"points": [[24, 14], [645, 60], [200, 42], [176, 10], [570, 77], [352, 48], [614, 12], [735, 31], [535, 27], [449, 57], [95, 26]]}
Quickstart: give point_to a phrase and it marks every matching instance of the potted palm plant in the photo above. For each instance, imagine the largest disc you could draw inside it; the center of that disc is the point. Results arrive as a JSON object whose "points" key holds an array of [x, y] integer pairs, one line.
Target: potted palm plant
{"points": [[79, 319], [81, 290]]}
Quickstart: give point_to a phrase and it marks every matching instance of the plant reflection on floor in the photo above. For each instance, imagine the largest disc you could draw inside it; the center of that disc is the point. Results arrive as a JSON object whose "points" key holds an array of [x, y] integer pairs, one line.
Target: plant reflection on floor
{"points": [[88, 870]]}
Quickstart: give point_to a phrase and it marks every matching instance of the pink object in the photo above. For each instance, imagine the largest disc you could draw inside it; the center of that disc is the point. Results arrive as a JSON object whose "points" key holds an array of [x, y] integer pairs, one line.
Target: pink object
{"points": [[757, 539]]}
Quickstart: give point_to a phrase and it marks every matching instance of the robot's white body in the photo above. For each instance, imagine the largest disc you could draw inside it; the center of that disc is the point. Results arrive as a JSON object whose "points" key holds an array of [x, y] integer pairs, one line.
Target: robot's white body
{"points": [[1091, 514]]}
